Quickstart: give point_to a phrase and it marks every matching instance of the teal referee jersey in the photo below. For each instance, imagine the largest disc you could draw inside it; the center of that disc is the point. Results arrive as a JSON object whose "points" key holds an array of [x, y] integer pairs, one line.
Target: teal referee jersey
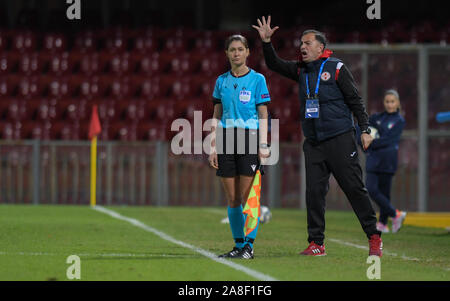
{"points": [[240, 97]]}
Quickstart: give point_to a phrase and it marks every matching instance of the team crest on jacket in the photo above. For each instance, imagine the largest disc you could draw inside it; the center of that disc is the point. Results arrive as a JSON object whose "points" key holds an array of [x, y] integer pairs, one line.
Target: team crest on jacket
{"points": [[325, 76]]}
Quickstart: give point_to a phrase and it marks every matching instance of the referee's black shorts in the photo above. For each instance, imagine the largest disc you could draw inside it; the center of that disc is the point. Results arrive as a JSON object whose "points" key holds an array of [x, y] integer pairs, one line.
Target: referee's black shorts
{"points": [[237, 152]]}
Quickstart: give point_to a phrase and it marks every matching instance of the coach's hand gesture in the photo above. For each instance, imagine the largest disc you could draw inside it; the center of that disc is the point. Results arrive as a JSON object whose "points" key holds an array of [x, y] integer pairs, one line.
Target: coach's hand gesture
{"points": [[265, 32]]}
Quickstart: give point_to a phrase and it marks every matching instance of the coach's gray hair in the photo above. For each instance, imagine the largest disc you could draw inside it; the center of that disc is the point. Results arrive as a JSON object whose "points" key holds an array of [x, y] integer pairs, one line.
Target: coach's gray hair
{"points": [[320, 36]]}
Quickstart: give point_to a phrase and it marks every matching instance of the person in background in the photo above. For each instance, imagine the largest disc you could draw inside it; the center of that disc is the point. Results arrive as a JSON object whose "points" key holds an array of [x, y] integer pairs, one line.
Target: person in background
{"points": [[381, 162]]}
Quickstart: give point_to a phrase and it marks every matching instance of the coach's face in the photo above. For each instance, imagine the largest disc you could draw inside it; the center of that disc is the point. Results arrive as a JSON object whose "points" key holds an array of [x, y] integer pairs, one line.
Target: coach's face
{"points": [[310, 48]]}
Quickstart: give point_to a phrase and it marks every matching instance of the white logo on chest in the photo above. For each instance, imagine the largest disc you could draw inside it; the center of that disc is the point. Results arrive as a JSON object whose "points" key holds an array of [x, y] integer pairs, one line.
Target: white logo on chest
{"points": [[325, 76]]}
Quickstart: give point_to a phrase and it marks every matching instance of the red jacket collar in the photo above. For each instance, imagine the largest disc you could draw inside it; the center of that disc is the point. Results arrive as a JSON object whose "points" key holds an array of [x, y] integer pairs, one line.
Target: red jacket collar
{"points": [[326, 53]]}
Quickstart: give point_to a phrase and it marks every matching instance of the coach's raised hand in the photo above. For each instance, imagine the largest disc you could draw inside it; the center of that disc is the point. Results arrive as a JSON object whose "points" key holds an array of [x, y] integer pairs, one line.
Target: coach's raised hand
{"points": [[264, 30]]}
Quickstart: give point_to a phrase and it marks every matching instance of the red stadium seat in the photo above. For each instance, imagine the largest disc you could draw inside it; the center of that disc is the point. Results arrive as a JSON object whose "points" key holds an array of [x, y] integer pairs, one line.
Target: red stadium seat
{"points": [[153, 131], [214, 64], [174, 44], [107, 110], [56, 86], [145, 44], [179, 87], [147, 64], [279, 88], [186, 109], [87, 87], [133, 110], [3, 40], [116, 43], [57, 63], [117, 64], [37, 130], [206, 43], [6, 87], [64, 130], [12, 131], [73, 109], [182, 64], [117, 87], [45, 111], [147, 87], [290, 133], [86, 42], [162, 110], [4, 105], [105, 134], [203, 86], [8, 62], [54, 42], [165, 62], [124, 131], [87, 63], [30, 64], [28, 86], [287, 111], [24, 42], [17, 110]]}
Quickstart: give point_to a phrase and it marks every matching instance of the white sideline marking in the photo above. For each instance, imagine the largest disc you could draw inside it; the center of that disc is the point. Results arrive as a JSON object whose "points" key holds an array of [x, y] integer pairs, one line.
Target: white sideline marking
{"points": [[93, 254], [367, 248], [384, 252], [212, 256]]}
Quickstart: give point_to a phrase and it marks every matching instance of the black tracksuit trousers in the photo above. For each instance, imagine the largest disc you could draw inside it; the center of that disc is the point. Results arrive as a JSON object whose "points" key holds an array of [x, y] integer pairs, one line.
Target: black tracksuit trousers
{"points": [[339, 156]]}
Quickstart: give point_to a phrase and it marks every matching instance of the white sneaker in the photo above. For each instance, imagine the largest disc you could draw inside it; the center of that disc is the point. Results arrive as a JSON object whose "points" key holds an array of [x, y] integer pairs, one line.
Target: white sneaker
{"points": [[382, 227], [397, 221]]}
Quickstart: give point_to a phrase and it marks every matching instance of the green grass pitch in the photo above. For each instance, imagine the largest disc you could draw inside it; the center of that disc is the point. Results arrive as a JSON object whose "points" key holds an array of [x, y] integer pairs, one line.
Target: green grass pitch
{"points": [[35, 242]]}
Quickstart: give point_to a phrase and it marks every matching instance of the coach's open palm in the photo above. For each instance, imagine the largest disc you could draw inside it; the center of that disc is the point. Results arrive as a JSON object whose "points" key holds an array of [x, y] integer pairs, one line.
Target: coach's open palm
{"points": [[265, 32]]}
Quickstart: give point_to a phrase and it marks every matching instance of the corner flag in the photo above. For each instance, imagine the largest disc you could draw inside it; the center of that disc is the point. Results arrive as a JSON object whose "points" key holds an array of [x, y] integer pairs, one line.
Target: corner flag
{"points": [[94, 130], [253, 206]]}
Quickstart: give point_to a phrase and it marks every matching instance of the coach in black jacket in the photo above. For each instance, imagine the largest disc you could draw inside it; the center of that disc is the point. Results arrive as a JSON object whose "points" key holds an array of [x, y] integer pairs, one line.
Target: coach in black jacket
{"points": [[328, 97]]}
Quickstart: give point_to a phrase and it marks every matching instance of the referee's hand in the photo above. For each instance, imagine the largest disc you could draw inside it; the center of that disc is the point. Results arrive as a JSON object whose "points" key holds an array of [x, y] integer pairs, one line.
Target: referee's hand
{"points": [[213, 160], [263, 154], [264, 30]]}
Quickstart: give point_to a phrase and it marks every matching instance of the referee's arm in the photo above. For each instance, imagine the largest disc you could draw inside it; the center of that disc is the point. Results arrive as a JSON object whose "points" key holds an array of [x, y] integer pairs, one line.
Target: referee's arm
{"points": [[217, 116], [347, 84]]}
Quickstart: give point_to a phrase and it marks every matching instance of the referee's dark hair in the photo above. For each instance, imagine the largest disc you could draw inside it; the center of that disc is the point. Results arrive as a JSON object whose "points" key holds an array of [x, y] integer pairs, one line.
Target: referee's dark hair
{"points": [[320, 36], [236, 37]]}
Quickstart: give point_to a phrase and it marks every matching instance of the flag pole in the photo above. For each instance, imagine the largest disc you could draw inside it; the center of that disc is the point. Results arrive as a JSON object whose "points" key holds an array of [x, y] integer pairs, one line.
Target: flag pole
{"points": [[94, 130], [93, 170]]}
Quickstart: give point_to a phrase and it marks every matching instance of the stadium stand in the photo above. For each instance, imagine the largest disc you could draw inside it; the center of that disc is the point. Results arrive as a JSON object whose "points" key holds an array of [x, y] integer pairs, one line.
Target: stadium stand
{"points": [[144, 78]]}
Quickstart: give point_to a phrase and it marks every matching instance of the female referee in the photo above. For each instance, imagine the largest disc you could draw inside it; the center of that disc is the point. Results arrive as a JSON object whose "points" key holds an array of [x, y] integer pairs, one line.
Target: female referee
{"points": [[240, 100], [381, 163]]}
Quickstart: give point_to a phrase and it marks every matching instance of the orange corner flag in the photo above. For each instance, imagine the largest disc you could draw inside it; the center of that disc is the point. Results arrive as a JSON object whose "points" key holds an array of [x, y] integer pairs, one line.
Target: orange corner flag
{"points": [[94, 124]]}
